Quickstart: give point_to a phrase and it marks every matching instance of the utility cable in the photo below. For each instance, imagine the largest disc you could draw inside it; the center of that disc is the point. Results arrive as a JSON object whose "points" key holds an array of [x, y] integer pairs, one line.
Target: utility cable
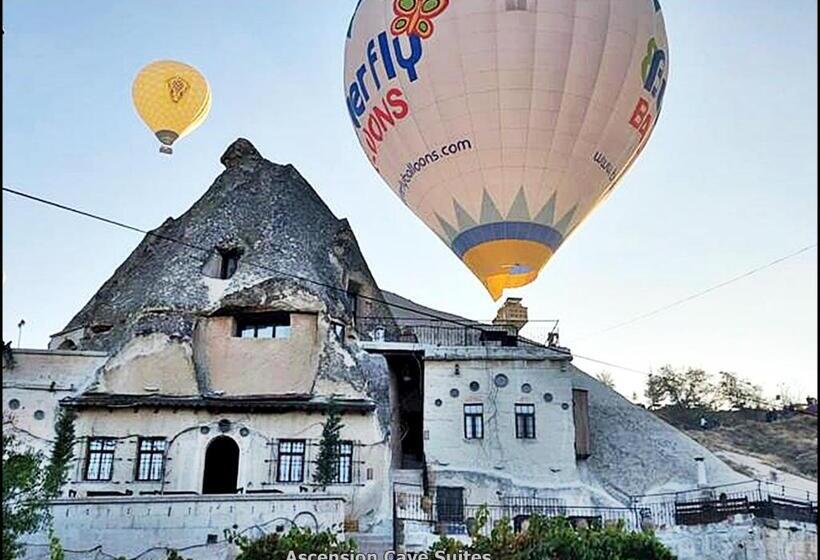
{"points": [[702, 292]]}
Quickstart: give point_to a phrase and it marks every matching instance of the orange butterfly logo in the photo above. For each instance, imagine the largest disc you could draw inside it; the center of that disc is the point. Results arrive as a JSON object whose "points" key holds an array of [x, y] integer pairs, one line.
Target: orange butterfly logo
{"points": [[415, 17]]}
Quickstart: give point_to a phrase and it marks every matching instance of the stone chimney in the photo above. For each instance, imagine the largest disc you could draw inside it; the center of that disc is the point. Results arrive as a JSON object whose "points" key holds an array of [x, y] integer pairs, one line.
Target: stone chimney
{"points": [[512, 313]]}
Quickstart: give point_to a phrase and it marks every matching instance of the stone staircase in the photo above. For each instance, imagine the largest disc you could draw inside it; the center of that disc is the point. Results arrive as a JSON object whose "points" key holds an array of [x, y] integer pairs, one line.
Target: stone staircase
{"points": [[370, 543]]}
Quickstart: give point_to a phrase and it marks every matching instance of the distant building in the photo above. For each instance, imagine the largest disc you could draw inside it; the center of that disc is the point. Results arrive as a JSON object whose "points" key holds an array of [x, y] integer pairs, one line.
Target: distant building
{"points": [[202, 370]]}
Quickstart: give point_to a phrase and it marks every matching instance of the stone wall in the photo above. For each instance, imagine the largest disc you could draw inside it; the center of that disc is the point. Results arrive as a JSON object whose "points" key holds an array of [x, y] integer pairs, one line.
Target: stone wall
{"points": [[743, 538], [134, 525]]}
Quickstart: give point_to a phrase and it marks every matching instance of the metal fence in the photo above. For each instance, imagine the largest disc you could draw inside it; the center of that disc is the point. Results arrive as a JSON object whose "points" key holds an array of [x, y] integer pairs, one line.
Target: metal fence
{"points": [[691, 507], [455, 518]]}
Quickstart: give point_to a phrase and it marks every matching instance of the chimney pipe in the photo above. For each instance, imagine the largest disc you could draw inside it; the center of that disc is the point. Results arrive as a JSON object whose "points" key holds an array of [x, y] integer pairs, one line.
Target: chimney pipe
{"points": [[701, 472]]}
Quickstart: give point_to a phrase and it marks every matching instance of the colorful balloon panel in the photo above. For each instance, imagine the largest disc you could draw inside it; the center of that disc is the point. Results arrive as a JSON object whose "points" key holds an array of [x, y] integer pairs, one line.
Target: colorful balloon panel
{"points": [[172, 98], [503, 123]]}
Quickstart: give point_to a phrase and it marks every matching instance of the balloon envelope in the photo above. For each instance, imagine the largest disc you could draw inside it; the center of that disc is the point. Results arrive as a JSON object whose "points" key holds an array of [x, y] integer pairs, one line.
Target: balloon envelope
{"points": [[172, 98], [503, 123]]}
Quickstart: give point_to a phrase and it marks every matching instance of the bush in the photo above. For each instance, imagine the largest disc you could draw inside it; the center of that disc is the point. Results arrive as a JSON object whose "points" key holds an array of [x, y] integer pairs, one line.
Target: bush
{"points": [[276, 546], [555, 539]]}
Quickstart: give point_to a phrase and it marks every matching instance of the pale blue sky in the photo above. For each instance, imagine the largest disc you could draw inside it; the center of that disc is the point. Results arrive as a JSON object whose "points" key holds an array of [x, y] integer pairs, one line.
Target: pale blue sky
{"points": [[728, 181]]}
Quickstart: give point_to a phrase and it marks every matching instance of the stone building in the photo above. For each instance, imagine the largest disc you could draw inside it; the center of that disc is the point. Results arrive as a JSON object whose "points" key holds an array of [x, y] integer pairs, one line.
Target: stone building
{"points": [[202, 371]]}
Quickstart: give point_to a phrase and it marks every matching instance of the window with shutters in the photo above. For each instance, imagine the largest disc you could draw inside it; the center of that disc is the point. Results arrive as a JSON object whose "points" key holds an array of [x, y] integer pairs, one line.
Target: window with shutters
{"points": [[150, 458], [525, 421], [291, 461], [99, 460], [473, 421], [344, 463]]}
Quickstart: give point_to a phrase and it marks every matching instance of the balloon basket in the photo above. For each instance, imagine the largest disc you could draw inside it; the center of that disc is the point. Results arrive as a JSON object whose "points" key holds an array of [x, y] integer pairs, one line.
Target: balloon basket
{"points": [[165, 150]]}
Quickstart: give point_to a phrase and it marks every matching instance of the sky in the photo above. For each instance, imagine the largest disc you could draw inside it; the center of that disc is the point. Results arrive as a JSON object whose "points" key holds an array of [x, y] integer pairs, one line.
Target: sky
{"points": [[727, 183]]}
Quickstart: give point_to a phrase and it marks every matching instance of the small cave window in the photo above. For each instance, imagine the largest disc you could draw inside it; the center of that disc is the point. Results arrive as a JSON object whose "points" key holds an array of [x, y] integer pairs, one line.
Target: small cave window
{"points": [[67, 344], [222, 263], [353, 290], [228, 263], [268, 325]]}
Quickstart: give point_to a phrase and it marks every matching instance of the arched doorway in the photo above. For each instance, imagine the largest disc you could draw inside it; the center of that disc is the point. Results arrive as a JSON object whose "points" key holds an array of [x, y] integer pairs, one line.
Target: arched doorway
{"points": [[221, 466]]}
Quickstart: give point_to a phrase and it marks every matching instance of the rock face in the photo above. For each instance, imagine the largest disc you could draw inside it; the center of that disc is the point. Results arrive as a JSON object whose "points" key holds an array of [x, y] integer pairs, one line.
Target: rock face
{"points": [[293, 254]]}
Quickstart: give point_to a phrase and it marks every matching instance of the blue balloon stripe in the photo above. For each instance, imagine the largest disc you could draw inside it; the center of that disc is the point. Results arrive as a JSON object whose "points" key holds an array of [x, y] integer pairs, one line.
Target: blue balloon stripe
{"points": [[525, 231]]}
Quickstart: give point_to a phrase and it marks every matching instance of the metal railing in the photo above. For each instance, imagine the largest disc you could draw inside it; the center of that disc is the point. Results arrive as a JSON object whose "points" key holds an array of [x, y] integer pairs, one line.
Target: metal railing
{"points": [[691, 507], [444, 332]]}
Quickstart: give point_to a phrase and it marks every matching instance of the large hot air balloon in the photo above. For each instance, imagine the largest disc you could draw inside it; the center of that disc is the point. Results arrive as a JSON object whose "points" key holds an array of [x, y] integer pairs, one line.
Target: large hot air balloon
{"points": [[503, 123], [172, 98]]}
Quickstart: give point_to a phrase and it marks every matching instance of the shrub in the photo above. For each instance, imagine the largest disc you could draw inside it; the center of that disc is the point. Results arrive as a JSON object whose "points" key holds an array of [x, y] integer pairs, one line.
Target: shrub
{"points": [[277, 546], [555, 539]]}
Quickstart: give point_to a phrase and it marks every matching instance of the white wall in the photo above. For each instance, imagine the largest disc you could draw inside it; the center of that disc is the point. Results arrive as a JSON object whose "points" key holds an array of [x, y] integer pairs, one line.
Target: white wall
{"points": [[499, 461], [38, 380], [130, 526]]}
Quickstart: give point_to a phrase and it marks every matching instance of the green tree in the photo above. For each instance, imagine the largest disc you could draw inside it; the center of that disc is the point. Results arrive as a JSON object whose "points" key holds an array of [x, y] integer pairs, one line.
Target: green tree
{"points": [[328, 459], [737, 393], [689, 388], [27, 486]]}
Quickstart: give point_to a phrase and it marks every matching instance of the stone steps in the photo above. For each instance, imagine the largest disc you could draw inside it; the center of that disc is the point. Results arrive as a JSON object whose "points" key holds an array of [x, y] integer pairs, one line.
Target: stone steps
{"points": [[372, 543]]}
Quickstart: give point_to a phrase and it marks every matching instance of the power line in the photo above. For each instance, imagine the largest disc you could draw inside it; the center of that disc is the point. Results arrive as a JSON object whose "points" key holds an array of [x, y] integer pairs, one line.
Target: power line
{"points": [[702, 292], [123, 225], [610, 364]]}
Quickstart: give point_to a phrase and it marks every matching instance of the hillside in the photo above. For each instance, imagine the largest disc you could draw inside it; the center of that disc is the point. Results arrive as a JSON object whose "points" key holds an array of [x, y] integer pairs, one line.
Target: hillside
{"points": [[751, 445]]}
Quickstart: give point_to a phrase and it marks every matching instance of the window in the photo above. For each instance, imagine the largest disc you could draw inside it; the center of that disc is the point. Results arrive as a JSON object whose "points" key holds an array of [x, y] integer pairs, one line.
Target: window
{"points": [[516, 5], [228, 263], [291, 461], [474, 421], [353, 289], [270, 325], [150, 458], [525, 421], [100, 458], [344, 463]]}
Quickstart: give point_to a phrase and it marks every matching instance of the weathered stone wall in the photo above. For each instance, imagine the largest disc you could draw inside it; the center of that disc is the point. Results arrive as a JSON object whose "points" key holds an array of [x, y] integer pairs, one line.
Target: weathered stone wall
{"points": [[131, 526], [250, 366], [37, 380], [743, 538]]}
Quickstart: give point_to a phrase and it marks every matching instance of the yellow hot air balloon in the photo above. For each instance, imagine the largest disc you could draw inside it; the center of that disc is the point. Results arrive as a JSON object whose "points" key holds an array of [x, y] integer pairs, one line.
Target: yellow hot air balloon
{"points": [[503, 123], [172, 98]]}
